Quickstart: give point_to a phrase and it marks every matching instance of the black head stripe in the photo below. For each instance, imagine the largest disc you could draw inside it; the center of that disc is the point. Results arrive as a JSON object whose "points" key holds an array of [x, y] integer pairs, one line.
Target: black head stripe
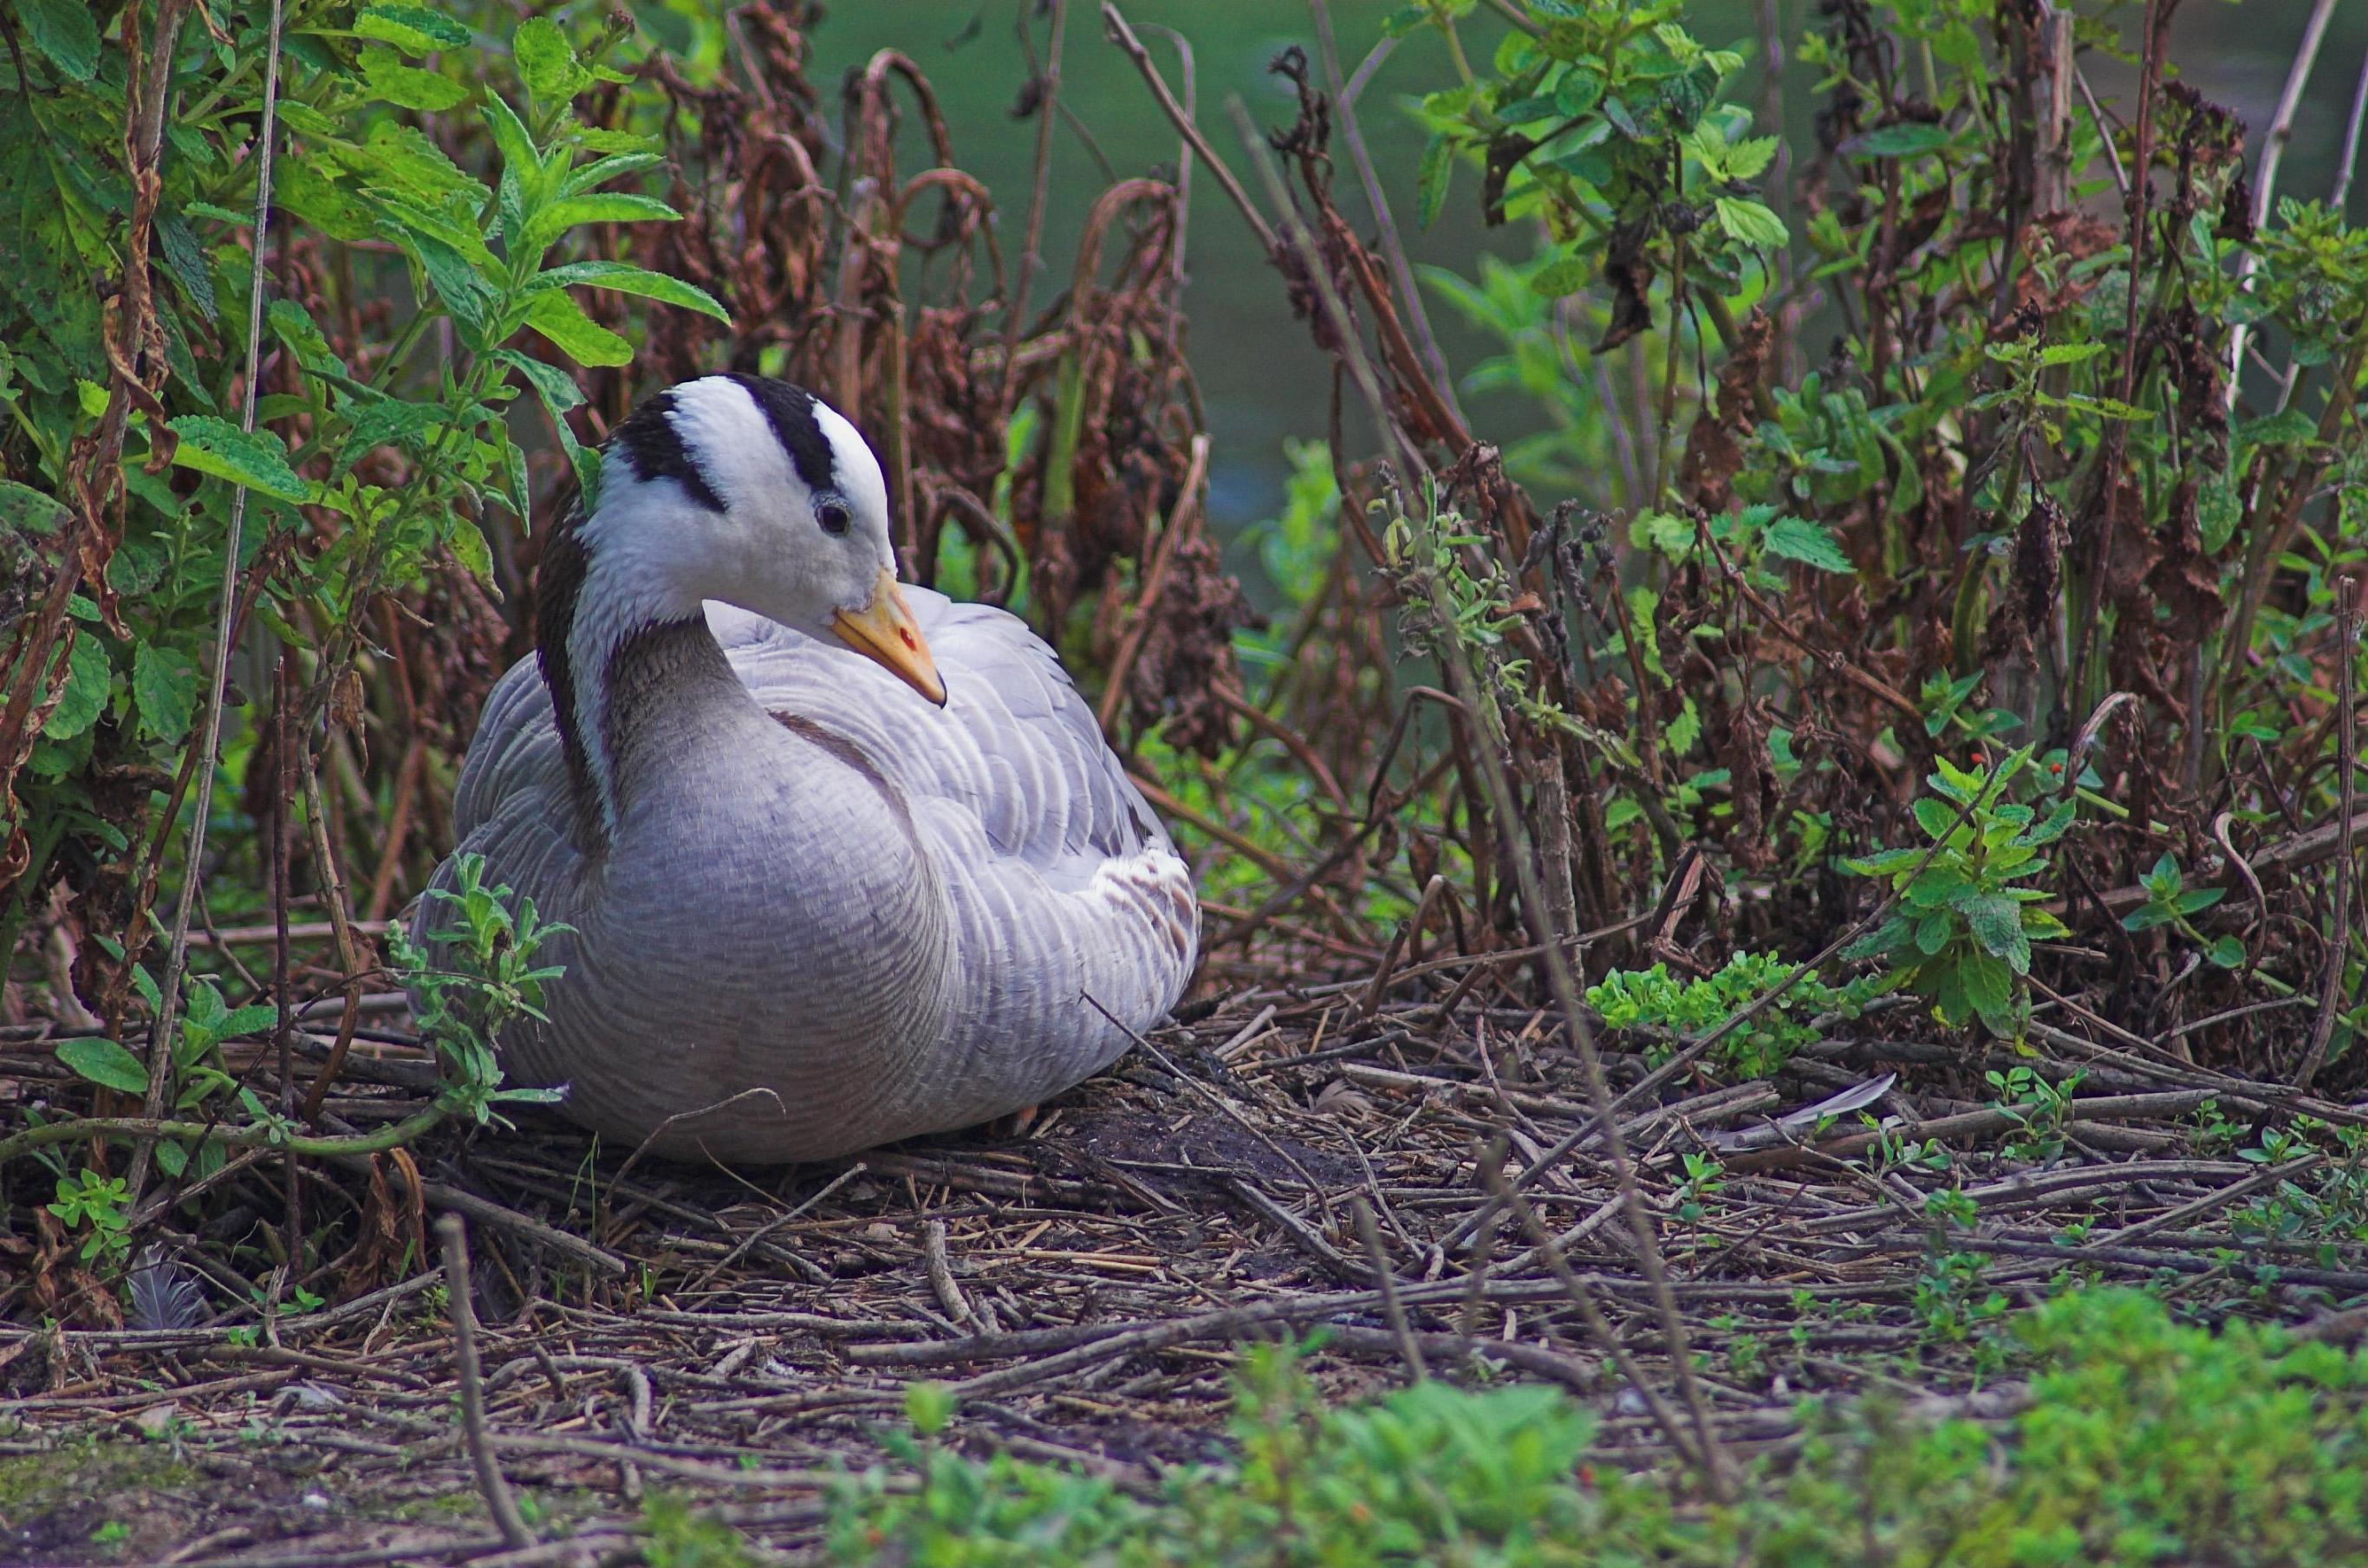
{"points": [[657, 450], [790, 412]]}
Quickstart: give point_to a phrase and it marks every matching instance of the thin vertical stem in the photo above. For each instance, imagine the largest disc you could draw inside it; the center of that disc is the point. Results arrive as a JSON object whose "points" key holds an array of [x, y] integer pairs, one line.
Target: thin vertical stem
{"points": [[1047, 106], [2265, 182], [160, 1040], [2350, 159], [1434, 360], [283, 736], [1392, 1310], [454, 1236], [2347, 758]]}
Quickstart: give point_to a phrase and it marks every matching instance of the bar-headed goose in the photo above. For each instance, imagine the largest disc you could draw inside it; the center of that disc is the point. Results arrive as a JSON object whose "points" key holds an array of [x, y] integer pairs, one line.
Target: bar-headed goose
{"points": [[845, 863]]}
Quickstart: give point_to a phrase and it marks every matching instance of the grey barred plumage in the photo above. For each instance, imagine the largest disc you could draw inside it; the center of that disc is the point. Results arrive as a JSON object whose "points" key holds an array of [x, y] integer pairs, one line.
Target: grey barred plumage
{"points": [[791, 870]]}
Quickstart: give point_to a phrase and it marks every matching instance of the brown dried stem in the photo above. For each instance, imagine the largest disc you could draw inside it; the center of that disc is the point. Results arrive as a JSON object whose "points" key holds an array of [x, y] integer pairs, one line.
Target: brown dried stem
{"points": [[454, 1236]]}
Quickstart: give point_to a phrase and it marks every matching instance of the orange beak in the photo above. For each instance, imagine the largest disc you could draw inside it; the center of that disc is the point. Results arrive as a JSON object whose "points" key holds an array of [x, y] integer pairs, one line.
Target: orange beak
{"points": [[885, 632]]}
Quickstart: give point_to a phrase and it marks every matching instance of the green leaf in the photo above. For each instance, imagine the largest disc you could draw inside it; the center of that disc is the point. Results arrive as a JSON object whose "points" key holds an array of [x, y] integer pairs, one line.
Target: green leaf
{"points": [[164, 687], [408, 86], [1937, 887], [1989, 988], [393, 422], [1884, 862], [1432, 177], [252, 1018], [65, 32], [469, 547], [1623, 119], [309, 194], [1751, 224], [519, 154], [2059, 822], [600, 171], [1812, 544], [1579, 93], [599, 207], [554, 386], [1748, 159], [89, 678], [546, 63], [2277, 429], [1885, 938], [559, 318], [1997, 924], [106, 1063], [25, 510], [2070, 353], [1947, 988], [403, 158], [2228, 952], [1524, 110], [2195, 900], [624, 278], [1934, 817], [596, 139], [255, 459], [294, 325], [1557, 279], [412, 28], [1908, 140]]}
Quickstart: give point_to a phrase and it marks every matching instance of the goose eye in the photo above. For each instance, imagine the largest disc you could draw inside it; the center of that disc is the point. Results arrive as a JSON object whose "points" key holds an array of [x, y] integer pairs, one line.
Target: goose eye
{"points": [[833, 516]]}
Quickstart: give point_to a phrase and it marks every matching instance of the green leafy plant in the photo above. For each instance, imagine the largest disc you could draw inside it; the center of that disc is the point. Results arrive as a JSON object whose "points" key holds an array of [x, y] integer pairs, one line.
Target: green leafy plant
{"points": [[1653, 999], [675, 1536], [476, 975], [1704, 1175], [2324, 1208], [1951, 1300], [98, 1205], [2042, 1108], [2143, 1441], [418, 460], [2170, 902], [1962, 935]]}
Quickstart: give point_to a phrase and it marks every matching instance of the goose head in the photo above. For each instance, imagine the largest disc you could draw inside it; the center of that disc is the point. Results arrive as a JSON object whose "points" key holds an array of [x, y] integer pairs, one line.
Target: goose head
{"points": [[734, 488], [760, 494]]}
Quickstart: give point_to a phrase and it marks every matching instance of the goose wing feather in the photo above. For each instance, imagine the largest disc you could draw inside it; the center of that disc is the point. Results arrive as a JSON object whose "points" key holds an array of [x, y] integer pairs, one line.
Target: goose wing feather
{"points": [[1018, 748]]}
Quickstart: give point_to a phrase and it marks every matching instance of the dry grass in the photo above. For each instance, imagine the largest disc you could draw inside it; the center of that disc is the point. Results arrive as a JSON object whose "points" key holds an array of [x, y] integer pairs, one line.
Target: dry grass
{"points": [[1081, 1285]]}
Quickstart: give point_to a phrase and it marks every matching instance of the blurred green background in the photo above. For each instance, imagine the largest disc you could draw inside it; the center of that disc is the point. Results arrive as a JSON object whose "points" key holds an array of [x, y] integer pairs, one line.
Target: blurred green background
{"points": [[1260, 375]]}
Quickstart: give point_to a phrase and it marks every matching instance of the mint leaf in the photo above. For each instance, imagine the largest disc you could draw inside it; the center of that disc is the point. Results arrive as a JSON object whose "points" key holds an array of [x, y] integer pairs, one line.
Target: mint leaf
{"points": [[89, 678], [1797, 538], [1751, 224], [66, 34], [255, 458], [165, 686]]}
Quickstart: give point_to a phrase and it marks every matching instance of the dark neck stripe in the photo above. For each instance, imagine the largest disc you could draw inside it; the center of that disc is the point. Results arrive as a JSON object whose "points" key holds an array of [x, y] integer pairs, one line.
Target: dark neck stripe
{"points": [[558, 587], [790, 412], [658, 451], [647, 671]]}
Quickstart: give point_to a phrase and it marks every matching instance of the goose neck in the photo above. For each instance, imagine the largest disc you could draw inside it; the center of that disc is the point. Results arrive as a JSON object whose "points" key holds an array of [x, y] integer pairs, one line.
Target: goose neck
{"points": [[622, 640]]}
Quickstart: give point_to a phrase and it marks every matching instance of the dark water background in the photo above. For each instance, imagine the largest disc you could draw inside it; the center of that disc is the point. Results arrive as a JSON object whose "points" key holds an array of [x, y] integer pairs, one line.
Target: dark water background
{"points": [[1259, 375]]}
